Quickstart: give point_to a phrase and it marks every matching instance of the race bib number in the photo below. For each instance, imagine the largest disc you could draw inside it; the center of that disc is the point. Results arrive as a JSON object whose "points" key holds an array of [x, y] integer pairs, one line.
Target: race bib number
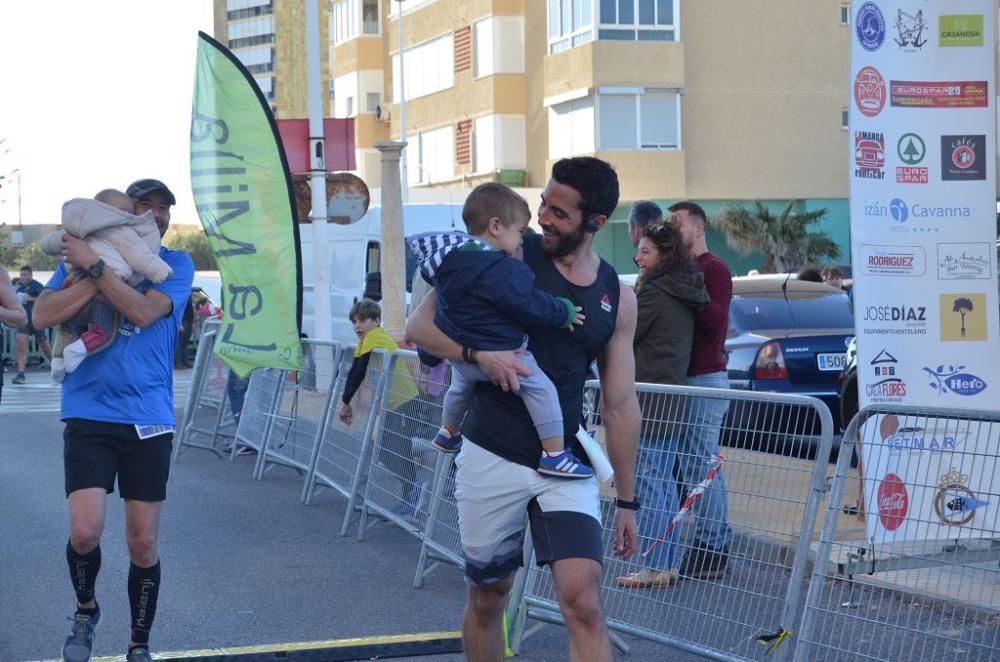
{"points": [[147, 431]]}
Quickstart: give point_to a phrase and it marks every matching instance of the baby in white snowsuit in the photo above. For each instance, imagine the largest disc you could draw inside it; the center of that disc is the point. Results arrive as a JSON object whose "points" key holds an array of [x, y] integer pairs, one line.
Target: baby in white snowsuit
{"points": [[129, 246]]}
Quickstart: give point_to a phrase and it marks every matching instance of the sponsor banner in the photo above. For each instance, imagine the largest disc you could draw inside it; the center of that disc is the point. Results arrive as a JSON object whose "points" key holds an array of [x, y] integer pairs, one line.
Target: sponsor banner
{"points": [[931, 479], [923, 209]]}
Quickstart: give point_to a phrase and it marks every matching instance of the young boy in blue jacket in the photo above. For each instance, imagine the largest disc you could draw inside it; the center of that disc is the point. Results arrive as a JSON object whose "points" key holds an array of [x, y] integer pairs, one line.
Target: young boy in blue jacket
{"points": [[486, 298]]}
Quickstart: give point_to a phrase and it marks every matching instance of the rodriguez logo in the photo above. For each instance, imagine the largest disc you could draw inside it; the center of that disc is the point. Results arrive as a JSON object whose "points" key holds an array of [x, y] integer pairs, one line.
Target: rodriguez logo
{"points": [[870, 27], [951, 379], [963, 261], [963, 158], [869, 91], [893, 502], [893, 260]]}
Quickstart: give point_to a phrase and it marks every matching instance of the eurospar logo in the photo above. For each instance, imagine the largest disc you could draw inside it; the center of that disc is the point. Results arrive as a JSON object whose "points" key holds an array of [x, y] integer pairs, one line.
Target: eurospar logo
{"points": [[953, 379], [869, 91], [964, 261], [893, 260], [963, 158], [957, 31], [910, 30], [869, 155], [937, 94], [910, 149], [870, 27], [963, 317], [886, 385]]}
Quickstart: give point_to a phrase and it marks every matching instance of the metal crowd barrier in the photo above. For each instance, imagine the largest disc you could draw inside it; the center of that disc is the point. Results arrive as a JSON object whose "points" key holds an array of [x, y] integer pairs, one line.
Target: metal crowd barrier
{"points": [[260, 401], [297, 418], [403, 461], [773, 495], [8, 347], [927, 585], [340, 456], [205, 412]]}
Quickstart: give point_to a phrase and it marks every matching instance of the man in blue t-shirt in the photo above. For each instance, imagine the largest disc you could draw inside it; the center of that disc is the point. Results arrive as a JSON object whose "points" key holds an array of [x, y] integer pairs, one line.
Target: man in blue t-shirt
{"points": [[119, 414]]}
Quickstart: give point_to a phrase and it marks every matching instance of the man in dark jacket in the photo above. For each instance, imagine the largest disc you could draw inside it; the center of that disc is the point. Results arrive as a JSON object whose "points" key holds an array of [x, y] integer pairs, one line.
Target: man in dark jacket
{"points": [[486, 300]]}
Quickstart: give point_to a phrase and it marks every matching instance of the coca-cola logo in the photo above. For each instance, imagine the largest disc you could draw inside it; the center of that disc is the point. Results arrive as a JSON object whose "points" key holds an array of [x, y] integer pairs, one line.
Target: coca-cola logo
{"points": [[893, 502]]}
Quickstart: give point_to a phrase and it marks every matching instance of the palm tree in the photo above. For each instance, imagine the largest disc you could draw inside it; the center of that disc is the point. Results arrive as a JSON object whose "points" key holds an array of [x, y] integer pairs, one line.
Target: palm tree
{"points": [[784, 239], [962, 306]]}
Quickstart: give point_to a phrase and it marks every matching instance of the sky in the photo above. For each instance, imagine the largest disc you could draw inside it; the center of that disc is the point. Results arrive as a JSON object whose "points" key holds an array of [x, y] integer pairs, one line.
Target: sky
{"points": [[96, 95]]}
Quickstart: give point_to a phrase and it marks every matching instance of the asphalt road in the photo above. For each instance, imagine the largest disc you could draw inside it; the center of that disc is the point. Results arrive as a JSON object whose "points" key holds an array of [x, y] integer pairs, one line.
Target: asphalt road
{"points": [[243, 563]]}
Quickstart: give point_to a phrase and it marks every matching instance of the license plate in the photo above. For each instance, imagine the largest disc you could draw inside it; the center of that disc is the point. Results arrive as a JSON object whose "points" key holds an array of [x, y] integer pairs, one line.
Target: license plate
{"points": [[832, 361]]}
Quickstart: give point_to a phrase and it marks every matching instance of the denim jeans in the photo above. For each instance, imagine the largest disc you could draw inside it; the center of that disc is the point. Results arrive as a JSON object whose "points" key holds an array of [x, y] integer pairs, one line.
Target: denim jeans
{"points": [[656, 488], [236, 390], [703, 418]]}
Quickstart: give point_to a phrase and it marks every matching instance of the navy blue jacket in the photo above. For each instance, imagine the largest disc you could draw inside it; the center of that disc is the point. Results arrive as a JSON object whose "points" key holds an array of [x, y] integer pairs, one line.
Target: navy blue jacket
{"points": [[486, 299]]}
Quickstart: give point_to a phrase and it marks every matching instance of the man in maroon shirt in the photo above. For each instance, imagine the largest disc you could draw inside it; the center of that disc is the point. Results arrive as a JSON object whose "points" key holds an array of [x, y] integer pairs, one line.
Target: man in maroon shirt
{"points": [[709, 552]]}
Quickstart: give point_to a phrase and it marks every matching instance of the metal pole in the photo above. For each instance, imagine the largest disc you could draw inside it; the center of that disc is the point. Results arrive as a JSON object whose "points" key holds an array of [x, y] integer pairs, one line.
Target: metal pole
{"points": [[404, 179], [317, 178]]}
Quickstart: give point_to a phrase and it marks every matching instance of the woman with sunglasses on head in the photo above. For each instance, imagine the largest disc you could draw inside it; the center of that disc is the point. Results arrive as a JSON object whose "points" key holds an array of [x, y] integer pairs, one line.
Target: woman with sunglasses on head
{"points": [[668, 291]]}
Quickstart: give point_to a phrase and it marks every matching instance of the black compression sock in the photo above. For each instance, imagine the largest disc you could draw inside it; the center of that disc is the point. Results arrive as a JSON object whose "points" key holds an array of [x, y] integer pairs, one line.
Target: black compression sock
{"points": [[83, 569], [143, 589]]}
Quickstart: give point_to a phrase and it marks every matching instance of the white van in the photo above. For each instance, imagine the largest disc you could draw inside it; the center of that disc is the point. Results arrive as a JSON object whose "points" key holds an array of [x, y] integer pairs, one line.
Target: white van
{"points": [[354, 251]]}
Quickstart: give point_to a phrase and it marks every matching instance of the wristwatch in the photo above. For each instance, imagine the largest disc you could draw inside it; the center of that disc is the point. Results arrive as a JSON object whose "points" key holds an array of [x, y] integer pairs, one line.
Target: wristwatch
{"points": [[627, 505], [96, 269]]}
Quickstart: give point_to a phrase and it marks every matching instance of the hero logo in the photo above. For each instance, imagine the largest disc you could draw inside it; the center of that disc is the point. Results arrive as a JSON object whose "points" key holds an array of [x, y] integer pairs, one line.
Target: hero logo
{"points": [[888, 386], [951, 379], [893, 502], [893, 260]]}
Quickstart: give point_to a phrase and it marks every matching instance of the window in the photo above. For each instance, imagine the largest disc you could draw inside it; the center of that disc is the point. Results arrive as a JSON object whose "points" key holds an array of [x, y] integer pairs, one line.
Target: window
{"points": [[499, 46], [349, 106], [257, 60], [370, 17], [499, 143], [638, 20], [430, 67], [571, 128], [373, 257], [570, 23], [236, 9], [372, 101], [845, 14], [844, 119], [432, 158], [637, 119], [616, 119], [344, 21], [266, 86]]}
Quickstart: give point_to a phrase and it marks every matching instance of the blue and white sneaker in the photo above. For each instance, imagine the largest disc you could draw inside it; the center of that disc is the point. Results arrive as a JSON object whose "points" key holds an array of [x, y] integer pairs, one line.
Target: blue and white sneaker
{"points": [[564, 465], [446, 443]]}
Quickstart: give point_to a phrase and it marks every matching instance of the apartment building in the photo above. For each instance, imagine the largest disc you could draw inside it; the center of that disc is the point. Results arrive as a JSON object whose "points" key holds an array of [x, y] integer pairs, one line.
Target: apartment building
{"points": [[721, 101]]}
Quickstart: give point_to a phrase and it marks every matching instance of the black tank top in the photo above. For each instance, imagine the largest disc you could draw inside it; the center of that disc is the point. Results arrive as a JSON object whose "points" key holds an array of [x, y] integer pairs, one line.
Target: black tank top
{"points": [[498, 421]]}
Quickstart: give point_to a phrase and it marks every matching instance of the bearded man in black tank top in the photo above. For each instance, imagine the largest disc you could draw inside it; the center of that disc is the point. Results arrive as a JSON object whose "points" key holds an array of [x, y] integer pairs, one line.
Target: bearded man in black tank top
{"points": [[496, 481]]}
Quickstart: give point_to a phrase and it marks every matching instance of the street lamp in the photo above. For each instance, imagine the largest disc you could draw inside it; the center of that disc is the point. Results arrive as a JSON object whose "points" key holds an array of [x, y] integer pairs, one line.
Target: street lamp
{"points": [[404, 180]]}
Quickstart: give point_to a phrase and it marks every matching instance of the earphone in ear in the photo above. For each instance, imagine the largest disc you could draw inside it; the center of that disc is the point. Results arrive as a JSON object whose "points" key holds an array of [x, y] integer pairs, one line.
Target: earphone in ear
{"points": [[590, 225]]}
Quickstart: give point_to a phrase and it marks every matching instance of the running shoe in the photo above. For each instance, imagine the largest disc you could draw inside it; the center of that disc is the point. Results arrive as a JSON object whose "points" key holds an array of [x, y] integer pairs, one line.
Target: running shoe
{"points": [[80, 643], [446, 443], [564, 465]]}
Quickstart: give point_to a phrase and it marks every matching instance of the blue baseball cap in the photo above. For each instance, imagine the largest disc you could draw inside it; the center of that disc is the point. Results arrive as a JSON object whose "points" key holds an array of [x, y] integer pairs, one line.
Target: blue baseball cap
{"points": [[143, 187]]}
